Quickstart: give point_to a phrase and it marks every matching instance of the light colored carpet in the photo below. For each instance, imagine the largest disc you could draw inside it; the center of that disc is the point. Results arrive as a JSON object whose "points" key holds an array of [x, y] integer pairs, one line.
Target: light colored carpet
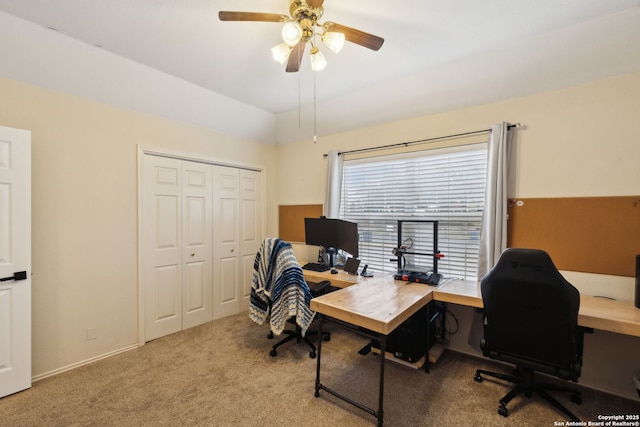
{"points": [[221, 374]]}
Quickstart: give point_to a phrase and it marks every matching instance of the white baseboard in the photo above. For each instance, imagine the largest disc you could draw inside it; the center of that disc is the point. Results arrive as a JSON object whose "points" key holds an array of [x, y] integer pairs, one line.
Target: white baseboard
{"points": [[82, 363]]}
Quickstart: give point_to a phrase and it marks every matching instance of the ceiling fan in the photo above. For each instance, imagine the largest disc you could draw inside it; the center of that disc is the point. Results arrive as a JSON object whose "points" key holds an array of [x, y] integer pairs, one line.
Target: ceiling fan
{"points": [[300, 28]]}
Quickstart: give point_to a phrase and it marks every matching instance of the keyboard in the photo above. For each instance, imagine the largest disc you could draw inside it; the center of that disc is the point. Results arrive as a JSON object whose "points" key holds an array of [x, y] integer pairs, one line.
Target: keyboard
{"points": [[315, 266]]}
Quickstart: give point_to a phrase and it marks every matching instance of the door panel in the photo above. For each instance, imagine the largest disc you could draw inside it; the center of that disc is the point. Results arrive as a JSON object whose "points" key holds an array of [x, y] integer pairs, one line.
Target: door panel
{"points": [[227, 241], [197, 244], [15, 256], [228, 268], [251, 230], [162, 252], [195, 288], [247, 277], [166, 293]]}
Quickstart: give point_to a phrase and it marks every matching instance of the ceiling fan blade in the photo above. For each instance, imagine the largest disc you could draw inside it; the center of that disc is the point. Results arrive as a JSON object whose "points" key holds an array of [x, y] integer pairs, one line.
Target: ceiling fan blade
{"points": [[295, 57], [250, 16], [356, 36], [315, 4]]}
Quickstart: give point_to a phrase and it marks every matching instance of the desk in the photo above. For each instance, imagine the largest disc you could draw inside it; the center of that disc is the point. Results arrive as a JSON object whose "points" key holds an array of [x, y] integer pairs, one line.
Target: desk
{"points": [[374, 307], [605, 314], [381, 304]]}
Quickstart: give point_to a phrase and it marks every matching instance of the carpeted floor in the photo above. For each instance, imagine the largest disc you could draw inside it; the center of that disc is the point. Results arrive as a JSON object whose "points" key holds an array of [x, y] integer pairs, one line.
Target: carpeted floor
{"points": [[221, 374]]}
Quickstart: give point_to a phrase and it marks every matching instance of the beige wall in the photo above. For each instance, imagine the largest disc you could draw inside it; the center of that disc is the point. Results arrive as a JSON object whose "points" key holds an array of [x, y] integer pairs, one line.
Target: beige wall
{"points": [[84, 202], [579, 141]]}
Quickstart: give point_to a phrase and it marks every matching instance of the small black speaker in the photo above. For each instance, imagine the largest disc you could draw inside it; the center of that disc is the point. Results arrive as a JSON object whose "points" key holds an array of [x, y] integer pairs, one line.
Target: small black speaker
{"points": [[638, 283]]}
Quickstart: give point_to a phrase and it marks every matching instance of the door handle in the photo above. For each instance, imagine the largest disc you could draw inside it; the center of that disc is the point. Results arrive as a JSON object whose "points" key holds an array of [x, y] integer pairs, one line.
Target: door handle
{"points": [[20, 275]]}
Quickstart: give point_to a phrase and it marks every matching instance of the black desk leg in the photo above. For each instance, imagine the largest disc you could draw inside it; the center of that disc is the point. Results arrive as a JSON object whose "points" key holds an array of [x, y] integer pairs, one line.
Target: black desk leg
{"points": [[319, 386], [427, 362], [383, 346], [320, 322]]}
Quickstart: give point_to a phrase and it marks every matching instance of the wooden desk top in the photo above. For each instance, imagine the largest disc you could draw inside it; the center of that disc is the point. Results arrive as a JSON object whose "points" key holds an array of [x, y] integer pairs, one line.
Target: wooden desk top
{"points": [[378, 304], [381, 303], [339, 280], [463, 292], [611, 315], [595, 312]]}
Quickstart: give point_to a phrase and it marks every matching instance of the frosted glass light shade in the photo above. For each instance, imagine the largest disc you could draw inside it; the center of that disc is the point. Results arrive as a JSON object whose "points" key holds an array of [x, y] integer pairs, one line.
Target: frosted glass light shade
{"points": [[318, 62], [281, 52], [291, 33], [334, 41]]}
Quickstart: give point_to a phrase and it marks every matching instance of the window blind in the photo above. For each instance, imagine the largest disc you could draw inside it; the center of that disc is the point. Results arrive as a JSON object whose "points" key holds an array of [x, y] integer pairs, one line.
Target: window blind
{"points": [[446, 185]]}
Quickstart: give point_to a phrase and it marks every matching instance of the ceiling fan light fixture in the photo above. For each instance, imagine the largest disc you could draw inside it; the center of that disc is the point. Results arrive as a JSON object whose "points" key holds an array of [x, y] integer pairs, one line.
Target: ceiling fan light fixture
{"points": [[333, 40], [318, 62], [291, 33], [281, 52]]}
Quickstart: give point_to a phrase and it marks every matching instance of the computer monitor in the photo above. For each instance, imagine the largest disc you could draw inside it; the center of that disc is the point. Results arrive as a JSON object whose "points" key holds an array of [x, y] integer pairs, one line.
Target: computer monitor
{"points": [[348, 237], [332, 234]]}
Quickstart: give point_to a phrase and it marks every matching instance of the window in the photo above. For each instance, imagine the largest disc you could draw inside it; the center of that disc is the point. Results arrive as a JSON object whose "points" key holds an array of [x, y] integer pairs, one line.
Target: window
{"points": [[446, 185]]}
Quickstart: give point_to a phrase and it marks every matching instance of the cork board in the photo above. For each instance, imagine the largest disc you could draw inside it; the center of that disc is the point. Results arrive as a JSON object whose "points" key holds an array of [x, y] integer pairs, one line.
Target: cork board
{"points": [[291, 220], [589, 234]]}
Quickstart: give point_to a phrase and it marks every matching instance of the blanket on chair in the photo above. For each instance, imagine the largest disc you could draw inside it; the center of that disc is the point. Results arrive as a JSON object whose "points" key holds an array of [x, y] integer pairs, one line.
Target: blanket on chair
{"points": [[278, 278]]}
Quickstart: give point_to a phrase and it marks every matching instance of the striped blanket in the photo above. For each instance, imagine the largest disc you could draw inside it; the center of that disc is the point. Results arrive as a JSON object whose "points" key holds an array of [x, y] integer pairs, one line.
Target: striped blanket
{"points": [[277, 277]]}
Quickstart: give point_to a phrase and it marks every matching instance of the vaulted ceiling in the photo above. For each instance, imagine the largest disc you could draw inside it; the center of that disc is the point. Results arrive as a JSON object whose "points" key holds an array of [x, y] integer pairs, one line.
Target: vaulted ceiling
{"points": [[437, 55]]}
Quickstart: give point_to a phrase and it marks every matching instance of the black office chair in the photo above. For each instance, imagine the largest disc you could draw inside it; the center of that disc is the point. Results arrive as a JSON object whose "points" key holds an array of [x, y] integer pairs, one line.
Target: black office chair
{"points": [[280, 294], [531, 321], [317, 289]]}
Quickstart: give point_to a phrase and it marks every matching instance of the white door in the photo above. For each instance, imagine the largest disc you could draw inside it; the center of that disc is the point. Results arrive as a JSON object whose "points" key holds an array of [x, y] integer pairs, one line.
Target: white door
{"points": [[226, 245], [15, 260], [177, 249], [250, 230], [197, 250], [162, 246]]}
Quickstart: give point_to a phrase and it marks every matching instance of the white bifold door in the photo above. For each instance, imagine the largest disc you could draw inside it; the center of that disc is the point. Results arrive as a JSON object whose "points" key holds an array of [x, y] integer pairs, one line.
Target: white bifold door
{"points": [[177, 245], [198, 232], [15, 260], [237, 218]]}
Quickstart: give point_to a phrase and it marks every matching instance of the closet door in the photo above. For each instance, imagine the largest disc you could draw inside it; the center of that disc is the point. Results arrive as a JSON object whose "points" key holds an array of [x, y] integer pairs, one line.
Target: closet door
{"points": [[162, 246], [197, 249], [250, 230], [177, 245], [226, 245]]}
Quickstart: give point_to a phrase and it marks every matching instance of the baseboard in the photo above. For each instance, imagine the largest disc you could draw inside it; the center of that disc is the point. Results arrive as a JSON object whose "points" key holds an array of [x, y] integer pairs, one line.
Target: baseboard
{"points": [[82, 363]]}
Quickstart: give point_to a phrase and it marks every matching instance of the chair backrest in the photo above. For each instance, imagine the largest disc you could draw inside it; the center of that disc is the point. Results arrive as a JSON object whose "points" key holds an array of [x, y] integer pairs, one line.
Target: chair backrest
{"points": [[531, 314], [278, 289]]}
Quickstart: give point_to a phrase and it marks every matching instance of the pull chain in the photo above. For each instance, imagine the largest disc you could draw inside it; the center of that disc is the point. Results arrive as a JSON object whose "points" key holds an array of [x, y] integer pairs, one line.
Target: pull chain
{"points": [[299, 107], [315, 133]]}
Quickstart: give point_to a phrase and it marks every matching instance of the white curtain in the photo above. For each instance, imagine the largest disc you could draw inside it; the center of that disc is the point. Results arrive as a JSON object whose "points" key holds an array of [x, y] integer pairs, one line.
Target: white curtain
{"points": [[493, 237], [334, 185]]}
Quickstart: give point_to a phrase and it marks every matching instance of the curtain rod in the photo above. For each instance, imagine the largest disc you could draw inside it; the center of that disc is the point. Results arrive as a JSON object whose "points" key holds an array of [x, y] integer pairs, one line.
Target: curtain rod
{"points": [[420, 141]]}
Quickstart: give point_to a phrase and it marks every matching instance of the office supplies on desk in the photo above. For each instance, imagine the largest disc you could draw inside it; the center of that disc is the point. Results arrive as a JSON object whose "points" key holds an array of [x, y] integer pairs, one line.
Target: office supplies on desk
{"points": [[351, 266], [365, 273], [313, 266], [431, 279]]}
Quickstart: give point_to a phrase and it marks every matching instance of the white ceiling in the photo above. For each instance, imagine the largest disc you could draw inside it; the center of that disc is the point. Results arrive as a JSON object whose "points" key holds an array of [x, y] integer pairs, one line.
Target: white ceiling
{"points": [[438, 55]]}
